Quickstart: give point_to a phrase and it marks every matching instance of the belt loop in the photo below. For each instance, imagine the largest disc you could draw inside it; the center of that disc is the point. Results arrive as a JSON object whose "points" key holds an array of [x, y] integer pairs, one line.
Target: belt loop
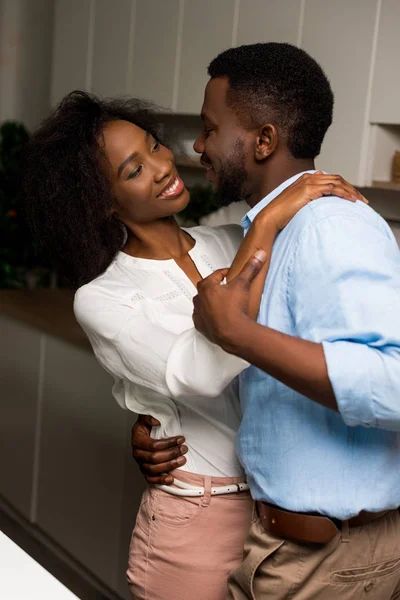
{"points": [[207, 491], [345, 531]]}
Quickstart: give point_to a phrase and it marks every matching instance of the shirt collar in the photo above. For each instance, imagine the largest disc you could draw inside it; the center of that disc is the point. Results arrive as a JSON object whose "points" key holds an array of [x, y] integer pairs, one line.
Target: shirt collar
{"points": [[253, 212]]}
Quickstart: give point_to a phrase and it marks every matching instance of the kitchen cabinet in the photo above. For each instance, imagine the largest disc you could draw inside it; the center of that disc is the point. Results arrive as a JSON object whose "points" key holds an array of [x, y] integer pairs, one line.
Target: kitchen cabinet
{"points": [[72, 47], [81, 473], [155, 48], [112, 54], [339, 35], [207, 30], [20, 366], [65, 460], [269, 21], [385, 104]]}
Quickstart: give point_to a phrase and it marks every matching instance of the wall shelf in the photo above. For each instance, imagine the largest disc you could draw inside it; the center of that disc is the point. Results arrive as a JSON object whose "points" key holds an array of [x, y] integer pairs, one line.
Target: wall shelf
{"points": [[386, 185]]}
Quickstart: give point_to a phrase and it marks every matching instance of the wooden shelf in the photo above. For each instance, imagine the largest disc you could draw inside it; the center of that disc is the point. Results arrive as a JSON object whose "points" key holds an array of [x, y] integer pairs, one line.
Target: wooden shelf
{"points": [[386, 185], [189, 163]]}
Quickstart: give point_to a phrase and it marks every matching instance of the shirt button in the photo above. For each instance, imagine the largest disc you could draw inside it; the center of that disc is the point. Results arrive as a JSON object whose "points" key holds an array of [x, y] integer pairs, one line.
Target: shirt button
{"points": [[368, 586]]}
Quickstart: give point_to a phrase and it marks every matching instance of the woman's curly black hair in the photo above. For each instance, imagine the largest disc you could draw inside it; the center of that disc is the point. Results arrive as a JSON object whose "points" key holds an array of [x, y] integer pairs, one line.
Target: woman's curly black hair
{"points": [[68, 197]]}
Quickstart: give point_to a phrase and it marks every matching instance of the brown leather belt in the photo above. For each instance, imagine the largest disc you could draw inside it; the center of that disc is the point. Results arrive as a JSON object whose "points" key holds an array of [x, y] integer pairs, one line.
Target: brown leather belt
{"points": [[305, 527]]}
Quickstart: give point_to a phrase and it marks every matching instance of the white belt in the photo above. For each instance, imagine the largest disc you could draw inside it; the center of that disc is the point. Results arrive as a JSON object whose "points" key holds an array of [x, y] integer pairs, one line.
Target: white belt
{"points": [[193, 490]]}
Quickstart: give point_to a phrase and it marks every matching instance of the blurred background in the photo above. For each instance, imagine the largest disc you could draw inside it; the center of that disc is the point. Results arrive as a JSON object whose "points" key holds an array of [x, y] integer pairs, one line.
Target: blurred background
{"points": [[69, 490]]}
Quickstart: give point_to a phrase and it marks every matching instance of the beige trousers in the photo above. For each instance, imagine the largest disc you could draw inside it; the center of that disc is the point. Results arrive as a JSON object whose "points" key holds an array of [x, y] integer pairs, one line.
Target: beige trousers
{"points": [[360, 563]]}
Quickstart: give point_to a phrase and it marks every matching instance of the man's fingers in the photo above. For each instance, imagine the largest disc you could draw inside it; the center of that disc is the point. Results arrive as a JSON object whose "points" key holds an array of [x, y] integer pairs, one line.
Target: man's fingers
{"points": [[148, 420], [150, 470], [148, 443], [159, 479], [251, 268], [215, 277], [158, 458]]}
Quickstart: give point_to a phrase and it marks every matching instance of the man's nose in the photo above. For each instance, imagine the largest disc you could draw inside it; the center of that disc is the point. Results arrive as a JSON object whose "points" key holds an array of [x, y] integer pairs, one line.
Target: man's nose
{"points": [[198, 145]]}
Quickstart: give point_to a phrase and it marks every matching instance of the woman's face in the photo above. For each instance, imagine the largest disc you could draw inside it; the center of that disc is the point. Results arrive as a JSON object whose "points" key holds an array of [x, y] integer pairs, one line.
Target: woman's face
{"points": [[144, 178]]}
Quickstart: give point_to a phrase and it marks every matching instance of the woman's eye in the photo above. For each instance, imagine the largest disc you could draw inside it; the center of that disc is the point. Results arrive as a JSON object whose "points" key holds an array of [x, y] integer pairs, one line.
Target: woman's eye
{"points": [[155, 147], [135, 173]]}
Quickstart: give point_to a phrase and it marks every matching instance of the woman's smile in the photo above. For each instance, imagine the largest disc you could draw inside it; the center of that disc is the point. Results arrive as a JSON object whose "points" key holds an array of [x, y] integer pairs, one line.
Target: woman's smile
{"points": [[173, 189]]}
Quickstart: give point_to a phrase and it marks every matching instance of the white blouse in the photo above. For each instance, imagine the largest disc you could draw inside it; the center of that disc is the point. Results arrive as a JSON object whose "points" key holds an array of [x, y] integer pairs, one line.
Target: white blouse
{"points": [[138, 318]]}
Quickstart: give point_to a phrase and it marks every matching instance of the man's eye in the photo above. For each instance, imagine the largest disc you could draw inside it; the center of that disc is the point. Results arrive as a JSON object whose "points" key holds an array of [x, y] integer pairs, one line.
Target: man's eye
{"points": [[207, 131], [155, 147], [135, 173]]}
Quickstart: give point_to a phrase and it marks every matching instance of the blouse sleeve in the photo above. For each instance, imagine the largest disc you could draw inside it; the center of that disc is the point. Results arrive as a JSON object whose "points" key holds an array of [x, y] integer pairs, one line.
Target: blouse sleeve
{"points": [[129, 346]]}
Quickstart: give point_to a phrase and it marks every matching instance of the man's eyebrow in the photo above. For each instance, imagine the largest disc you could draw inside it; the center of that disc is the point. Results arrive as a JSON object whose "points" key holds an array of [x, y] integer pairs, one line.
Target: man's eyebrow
{"points": [[130, 157]]}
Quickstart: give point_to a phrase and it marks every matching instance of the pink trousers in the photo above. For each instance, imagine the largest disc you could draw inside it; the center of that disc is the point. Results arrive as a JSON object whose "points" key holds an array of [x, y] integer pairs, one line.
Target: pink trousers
{"points": [[184, 548]]}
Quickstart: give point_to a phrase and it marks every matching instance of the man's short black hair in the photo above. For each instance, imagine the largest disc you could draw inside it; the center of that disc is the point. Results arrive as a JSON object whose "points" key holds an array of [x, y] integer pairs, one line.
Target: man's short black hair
{"points": [[279, 84]]}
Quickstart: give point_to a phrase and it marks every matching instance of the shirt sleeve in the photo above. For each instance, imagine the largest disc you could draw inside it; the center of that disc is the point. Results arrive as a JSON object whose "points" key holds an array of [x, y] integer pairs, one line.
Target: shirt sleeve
{"points": [[344, 291], [129, 346]]}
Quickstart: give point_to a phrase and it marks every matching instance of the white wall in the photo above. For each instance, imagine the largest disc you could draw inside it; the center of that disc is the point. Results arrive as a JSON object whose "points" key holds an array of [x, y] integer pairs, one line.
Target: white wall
{"points": [[26, 32]]}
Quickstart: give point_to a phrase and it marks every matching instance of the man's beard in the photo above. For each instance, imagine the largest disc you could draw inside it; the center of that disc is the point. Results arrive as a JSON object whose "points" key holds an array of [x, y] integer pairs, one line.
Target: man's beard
{"points": [[232, 178]]}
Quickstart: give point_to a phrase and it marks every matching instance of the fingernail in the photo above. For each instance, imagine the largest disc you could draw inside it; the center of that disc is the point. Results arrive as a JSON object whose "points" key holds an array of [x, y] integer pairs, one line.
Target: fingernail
{"points": [[184, 449], [181, 460], [180, 440], [155, 423], [261, 255], [168, 480]]}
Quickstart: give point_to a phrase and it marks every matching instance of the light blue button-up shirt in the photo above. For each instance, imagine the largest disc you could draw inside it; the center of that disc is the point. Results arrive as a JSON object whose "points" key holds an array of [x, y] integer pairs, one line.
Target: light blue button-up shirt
{"points": [[334, 278]]}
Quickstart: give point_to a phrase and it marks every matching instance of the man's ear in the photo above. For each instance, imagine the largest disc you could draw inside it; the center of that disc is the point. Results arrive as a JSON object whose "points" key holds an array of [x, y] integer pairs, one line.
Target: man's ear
{"points": [[266, 142]]}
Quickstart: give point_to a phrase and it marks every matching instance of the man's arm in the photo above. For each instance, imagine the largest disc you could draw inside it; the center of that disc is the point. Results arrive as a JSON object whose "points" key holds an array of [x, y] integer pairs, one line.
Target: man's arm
{"points": [[297, 363], [344, 296], [221, 315]]}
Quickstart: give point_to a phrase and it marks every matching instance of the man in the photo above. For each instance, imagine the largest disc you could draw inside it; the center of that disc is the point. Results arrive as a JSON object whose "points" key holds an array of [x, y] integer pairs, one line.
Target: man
{"points": [[320, 436]]}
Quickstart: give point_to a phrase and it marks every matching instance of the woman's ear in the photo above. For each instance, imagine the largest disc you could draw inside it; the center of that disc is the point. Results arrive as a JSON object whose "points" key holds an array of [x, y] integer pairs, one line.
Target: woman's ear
{"points": [[266, 142]]}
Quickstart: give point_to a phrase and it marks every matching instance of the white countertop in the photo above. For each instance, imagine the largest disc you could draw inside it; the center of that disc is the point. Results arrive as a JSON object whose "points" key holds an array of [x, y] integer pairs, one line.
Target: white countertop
{"points": [[21, 577]]}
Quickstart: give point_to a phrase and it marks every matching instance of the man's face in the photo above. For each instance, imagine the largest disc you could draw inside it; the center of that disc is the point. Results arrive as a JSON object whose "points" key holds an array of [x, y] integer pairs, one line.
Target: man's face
{"points": [[223, 144]]}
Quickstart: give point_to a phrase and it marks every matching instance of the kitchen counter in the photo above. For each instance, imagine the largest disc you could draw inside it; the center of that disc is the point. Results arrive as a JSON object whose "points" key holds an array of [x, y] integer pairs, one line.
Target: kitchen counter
{"points": [[48, 310]]}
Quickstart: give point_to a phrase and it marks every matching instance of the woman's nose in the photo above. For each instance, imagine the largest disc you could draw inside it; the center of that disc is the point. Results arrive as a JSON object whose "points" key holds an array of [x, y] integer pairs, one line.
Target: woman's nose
{"points": [[162, 170]]}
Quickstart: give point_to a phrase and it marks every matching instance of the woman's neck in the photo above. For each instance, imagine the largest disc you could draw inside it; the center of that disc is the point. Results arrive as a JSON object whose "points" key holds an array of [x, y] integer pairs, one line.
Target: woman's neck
{"points": [[159, 240]]}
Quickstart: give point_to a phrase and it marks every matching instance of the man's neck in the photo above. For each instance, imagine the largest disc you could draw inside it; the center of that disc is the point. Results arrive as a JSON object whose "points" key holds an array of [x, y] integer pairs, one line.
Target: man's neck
{"points": [[277, 174]]}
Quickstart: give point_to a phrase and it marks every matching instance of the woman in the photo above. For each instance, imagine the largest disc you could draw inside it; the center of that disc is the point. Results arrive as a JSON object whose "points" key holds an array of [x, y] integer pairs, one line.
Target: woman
{"points": [[103, 194]]}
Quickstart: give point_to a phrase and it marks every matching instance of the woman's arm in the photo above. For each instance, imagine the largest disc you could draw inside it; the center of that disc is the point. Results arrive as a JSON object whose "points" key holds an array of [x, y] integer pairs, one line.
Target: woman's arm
{"points": [[276, 215]]}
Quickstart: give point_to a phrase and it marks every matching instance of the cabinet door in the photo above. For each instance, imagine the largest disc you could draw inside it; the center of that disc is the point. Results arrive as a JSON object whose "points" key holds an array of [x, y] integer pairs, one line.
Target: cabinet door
{"points": [[339, 35], [385, 106], [113, 27], [269, 21], [208, 28], [73, 29], [155, 51], [20, 352], [81, 472]]}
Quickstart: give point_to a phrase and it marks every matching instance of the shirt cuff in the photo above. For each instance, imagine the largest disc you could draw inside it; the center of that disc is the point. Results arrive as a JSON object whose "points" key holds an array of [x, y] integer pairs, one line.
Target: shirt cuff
{"points": [[197, 367], [350, 366]]}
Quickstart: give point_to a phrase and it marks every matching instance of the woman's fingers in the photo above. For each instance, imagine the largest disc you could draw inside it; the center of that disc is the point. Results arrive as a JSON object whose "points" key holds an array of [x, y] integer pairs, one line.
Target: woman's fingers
{"points": [[336, 182]]}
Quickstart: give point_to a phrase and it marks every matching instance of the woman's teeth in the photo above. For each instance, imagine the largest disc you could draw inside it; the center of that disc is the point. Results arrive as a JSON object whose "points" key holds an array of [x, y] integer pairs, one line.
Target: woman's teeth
{"points": [[171, 189]]}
